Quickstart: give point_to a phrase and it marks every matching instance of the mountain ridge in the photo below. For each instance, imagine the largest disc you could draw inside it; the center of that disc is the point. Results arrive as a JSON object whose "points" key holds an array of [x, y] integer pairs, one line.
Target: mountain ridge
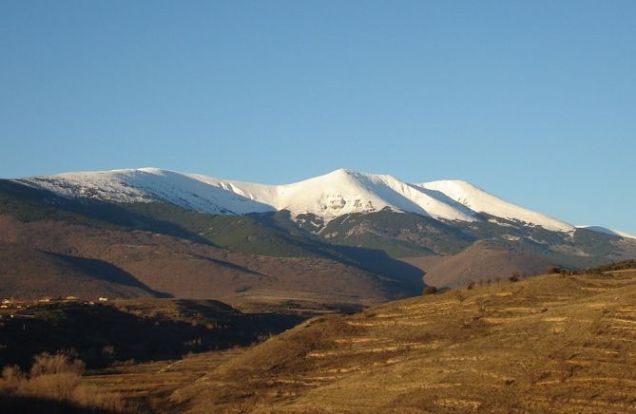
{"points": [[325, 197]]}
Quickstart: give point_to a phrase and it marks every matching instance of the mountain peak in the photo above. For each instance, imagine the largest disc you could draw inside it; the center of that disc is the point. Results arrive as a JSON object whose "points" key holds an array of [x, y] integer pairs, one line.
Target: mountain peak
{"points": [[339, 192], [341, 171], [346, 173]]}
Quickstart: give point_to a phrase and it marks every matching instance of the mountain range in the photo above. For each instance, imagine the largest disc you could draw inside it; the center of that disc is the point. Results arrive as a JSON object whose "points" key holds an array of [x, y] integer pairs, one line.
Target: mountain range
{"points": [[342, 238], [325, 197]]}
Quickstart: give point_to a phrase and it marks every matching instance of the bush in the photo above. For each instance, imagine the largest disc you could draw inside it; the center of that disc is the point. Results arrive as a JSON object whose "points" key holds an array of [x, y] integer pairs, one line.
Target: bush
{"points": [[57, 377], [51, 376], [47, 364]]}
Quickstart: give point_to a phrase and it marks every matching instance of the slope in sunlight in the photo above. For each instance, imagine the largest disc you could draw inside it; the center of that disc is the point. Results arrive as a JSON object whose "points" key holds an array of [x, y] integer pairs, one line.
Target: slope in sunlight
{"points": [[557, 344]]}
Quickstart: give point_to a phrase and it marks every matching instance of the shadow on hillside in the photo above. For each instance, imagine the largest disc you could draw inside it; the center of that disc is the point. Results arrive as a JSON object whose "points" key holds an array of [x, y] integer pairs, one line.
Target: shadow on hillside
{"points": [[231, 266], [103, 334], [407, 279], [101, 270]]}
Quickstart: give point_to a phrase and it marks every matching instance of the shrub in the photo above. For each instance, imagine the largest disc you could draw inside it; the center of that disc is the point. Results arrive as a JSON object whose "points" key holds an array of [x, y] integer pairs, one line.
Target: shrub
{"points": [[47, 364], [57, 377], [59, 386], [51, 376]]}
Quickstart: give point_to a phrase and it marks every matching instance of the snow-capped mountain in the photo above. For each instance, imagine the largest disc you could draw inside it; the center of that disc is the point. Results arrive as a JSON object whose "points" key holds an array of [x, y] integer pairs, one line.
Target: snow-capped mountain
{"points": [[199, 193], [309, 218], [328, 196]]}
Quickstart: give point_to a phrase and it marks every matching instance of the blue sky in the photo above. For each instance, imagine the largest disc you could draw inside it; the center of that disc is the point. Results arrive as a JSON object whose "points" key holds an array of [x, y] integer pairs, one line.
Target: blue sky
{"points": [[534, 101]]}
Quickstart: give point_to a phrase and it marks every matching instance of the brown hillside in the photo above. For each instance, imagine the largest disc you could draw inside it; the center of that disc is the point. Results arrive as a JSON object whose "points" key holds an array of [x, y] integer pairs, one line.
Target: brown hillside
{"points": [[176, 267], [549, 344], [480, 262], [31, 274]]}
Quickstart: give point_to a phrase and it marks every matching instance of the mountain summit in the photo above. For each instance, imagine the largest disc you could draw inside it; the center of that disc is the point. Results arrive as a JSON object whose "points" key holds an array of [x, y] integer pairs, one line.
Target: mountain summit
{"points": [[327, 196]]}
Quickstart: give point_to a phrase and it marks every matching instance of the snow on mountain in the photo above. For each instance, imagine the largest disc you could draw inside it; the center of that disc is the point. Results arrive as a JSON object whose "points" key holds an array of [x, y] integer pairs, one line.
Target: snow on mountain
{"points": [[343, 191], [152, 184], [480, 201], [327, 196], [605, 230]]}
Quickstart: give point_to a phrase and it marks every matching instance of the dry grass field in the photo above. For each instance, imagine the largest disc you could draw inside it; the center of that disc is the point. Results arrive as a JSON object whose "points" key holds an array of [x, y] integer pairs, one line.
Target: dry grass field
{"points": [[147, 387], [549, 344]]}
